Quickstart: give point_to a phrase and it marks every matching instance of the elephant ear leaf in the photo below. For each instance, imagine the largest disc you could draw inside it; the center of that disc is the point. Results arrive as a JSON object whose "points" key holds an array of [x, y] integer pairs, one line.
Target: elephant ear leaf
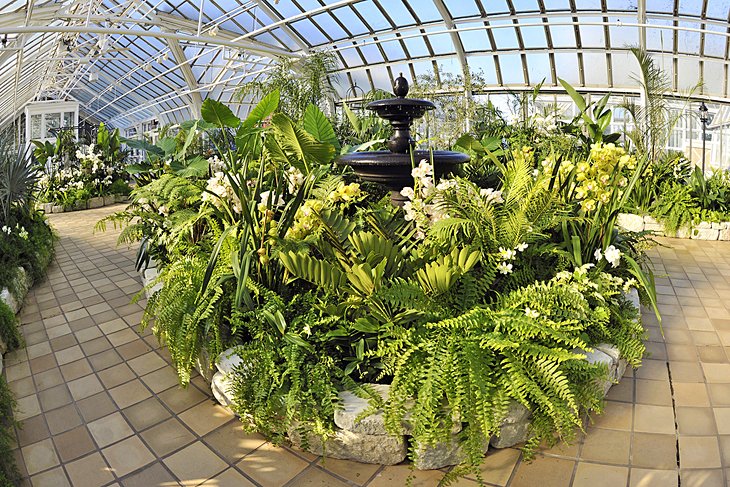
{"points": [[315, 122], [218, 114], [300, 143], [263, 109]]}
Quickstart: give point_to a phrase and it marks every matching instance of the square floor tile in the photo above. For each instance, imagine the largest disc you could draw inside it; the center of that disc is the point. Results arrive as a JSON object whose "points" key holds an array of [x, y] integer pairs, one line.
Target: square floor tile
{"points": [[127, 456], [85, 387], [205, 417], [39, 456], [654, 419], [272, 465], [91, 471], [73, 443], [110, 429], [653, 451], [232, 443], [699, 452], [648, 478], [152, 475], [195, 464], [146, 413], [129, 393], [167, 437], [63, 419], [116, 375], [96, 406], [229, 478], [50, 478], [55, 397], [592, 475]]}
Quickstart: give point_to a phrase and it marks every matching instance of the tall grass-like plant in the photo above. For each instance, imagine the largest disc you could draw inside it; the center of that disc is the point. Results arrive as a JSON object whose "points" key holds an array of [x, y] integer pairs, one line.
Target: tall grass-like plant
{"points": [[18, 178]]}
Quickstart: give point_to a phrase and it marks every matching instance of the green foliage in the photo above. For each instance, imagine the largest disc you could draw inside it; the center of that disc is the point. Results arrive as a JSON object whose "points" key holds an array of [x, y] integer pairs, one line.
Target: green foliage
{"points": [[9, 474], [9, 328], [18, 177], [676, 208], [29, 245]]}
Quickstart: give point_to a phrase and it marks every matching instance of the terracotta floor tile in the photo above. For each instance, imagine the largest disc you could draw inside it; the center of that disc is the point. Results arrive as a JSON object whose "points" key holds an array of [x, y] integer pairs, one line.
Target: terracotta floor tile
{"points": [[146, 363], [73, 443], [194, 464], [275, 466], [699, 452], [127, 456], [90, 471], [655, 392], [544, 472], [640, 477], [205, 417], [39, 456], [167, 437], [110, 429], [161, 379], [616, 415]]}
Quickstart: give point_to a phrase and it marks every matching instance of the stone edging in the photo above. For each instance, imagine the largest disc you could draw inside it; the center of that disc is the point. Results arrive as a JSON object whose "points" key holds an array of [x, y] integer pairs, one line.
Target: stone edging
{"points": [[702, 231], [91, 203], [367, 441], [24, 282]]}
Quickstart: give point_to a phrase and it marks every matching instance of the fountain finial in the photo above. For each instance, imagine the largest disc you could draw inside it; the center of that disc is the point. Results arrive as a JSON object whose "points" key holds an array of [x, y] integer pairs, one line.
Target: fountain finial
{"points": [[400, 86]]}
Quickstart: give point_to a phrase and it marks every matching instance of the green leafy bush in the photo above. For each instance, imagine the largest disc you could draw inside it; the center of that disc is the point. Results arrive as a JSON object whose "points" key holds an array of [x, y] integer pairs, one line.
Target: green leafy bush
{"points": [[9, 474]]}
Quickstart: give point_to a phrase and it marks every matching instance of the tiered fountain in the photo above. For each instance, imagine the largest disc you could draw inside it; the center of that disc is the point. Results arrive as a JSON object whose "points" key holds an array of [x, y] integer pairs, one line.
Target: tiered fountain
{"points": [[392, 168]]}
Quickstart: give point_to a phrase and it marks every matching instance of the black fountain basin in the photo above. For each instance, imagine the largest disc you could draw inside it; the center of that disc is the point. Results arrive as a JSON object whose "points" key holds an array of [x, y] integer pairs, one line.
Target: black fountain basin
{"points": [[393, 170]]}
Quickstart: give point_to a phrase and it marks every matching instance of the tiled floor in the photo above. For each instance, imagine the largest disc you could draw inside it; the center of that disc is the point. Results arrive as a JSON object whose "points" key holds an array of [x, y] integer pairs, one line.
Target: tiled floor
{"points": [[101, 406]]}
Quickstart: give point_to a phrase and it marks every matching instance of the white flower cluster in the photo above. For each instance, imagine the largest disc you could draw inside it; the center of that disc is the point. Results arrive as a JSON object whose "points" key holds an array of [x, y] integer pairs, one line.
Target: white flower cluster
{"points": [[219, 192], [531, 313], [22, 232], [418, 208], [507, 255], [216, 164], [89, 154], [276, 200], [294, 178], [544, 124], [611, 254]]}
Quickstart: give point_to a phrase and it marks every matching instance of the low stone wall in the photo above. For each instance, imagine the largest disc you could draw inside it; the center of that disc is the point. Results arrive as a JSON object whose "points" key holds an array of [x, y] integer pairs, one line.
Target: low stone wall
{"points": [[23, 283], [701, 231], [91, 203], [365, 439]]}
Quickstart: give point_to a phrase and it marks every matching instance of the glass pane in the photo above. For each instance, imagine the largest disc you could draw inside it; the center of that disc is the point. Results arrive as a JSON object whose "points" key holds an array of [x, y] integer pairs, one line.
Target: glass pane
{"points": [[511, 65], [691, 7], [462, 8], [714, 76], [566, 67], [504, 37], [53, 121], [562, 35], [715, 45], [583, 5], [659, 39], [35, 126], [483, 66], [688, 71], [533, 37], [689, 41], [718, 9], [68, 119], [538, 68], [474, 40], [596, 74], [661, 6], [624, 66], [592, 35]]}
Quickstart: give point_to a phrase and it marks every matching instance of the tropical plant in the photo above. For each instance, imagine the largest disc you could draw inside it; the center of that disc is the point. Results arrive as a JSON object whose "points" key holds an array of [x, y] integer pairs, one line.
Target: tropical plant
{"points": [[18, 178]]}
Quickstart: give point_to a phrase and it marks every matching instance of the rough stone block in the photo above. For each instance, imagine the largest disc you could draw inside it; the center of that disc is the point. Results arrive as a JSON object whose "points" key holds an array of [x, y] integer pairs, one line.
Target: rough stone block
{"points": [[227, 361], [717, 226], [511, 434], [79, 205], [724, 234], [109, 200], [352, 406], [57, 209], [120, 198], [630, 222], [705, 234], [657, 228], [650, 219], [96, 202], [221, 385], [704, 225], [633, 297], [7, 297], [683, 233], [48, 207], [516, 413], [204, 367], [443, 454], [347, 445]]}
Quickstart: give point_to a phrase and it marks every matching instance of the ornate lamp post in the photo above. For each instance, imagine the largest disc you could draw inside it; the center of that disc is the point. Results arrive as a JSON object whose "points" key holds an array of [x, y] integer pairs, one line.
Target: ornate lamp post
{"points": [[704, 119]]}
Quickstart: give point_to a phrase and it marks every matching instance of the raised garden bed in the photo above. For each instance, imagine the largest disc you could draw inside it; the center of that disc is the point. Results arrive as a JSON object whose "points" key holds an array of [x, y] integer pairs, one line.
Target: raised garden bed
{"points": [[91, 203], [701, 231]]}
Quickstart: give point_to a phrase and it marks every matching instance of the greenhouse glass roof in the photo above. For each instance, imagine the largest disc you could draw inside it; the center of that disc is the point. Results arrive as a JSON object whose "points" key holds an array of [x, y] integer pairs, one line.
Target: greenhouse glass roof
{"points": [[129, 61]]}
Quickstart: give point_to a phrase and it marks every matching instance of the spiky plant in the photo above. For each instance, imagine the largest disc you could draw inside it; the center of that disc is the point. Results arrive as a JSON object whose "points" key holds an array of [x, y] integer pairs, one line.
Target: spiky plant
{"points": [[18, 178]]}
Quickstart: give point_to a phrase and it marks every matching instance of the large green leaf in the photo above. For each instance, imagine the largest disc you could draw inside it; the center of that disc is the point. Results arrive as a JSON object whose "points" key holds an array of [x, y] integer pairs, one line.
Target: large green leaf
{"points": [[168, 146], [577, 97], [217, 113], [302, 145], [263, 109], [196, 167], [143, 145], [315, 122]]}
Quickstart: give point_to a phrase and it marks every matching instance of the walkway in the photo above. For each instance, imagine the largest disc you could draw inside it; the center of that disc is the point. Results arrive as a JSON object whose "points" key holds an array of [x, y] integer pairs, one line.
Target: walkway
{"points": [[101, 406]]}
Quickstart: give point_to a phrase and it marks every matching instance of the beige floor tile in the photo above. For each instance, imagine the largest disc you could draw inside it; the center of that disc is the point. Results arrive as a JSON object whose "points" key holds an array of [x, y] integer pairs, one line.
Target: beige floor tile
{"points": [[96, 406], [699, 452], [146, 413], [653, 419], [616, 415], [695, 421], [232, 443], [498, 465], [51, 478], [116, 375], [110, 429], [701, 478], [195, 464], [73, 443], [205, 417], [316, 476], [654, 451], [606, 446], [39, 456], [690, 394], [33, 430], [161, 380], [593, 475], [167, 437], [27, 407], [722, 420], [146, 363], [272, 465], [544, 472], [655, 392], [127, 456], [90, 471], [640, 477], [85, 387], [63, 419], [229, 478], [717, 373], [401, 475], [153, 475], [129, 393]]}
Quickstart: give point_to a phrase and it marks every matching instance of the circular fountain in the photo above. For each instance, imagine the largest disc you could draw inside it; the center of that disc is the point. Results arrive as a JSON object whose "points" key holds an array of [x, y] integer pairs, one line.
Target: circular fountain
{"points": [[392, 168]]}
